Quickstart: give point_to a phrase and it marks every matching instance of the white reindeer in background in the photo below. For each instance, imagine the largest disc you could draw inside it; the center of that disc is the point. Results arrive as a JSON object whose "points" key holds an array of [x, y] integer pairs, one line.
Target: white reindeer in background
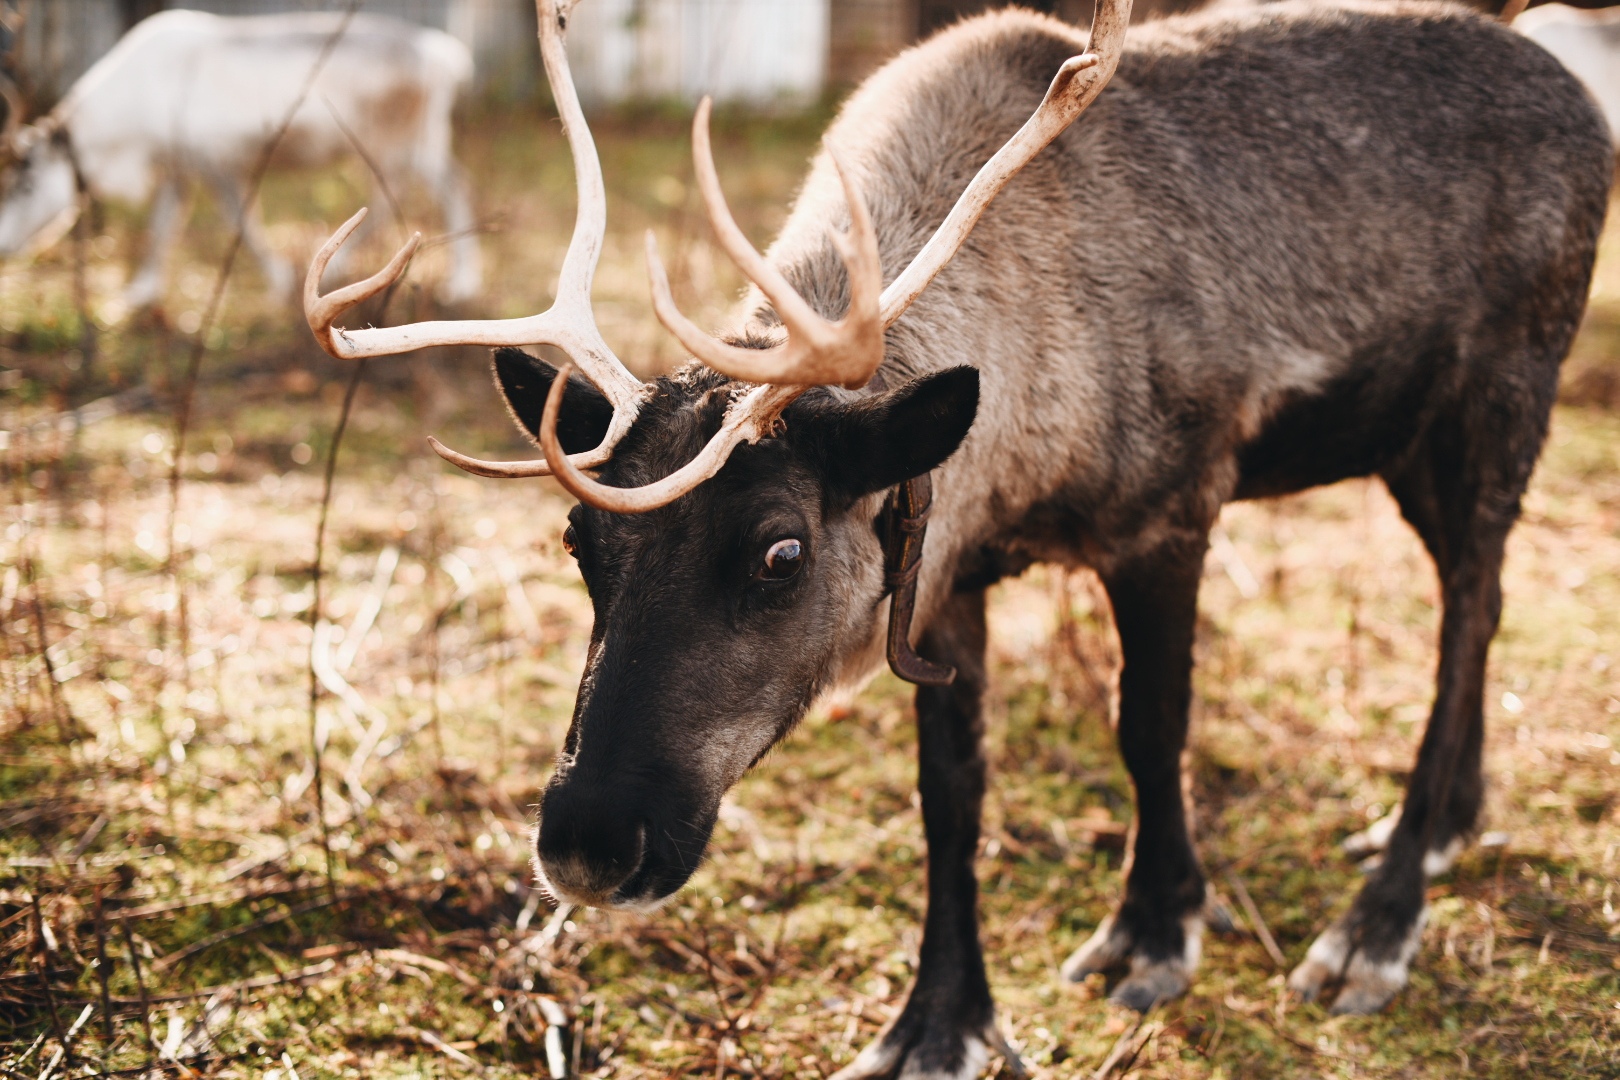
{"points": [[187, 95], [1588, 44]]}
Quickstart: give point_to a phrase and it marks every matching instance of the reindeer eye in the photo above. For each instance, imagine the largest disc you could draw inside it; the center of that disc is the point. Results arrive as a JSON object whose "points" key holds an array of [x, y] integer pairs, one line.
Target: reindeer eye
{"points": [[571, 542], [784, 559]]}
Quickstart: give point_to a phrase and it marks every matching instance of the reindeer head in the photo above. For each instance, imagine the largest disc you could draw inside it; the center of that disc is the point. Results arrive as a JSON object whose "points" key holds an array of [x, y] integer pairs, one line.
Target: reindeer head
{"points": [[39, 191], [727, 539]]}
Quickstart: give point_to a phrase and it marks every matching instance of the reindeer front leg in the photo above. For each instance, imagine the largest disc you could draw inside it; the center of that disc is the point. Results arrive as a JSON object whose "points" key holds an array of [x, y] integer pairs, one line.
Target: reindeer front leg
{"points": [[947, 1028], [163, 225], [1156, 932]]}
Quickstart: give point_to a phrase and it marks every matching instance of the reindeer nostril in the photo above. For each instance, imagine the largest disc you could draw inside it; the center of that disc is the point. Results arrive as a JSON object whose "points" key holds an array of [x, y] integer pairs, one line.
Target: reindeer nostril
{"points": [[588, 848]]}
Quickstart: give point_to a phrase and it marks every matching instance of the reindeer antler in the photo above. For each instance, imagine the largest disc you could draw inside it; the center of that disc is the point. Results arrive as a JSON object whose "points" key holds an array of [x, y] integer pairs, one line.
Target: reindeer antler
{"points": [[568, 324], [748, 419], [816, 351], [849, 351], [1073, 89]]}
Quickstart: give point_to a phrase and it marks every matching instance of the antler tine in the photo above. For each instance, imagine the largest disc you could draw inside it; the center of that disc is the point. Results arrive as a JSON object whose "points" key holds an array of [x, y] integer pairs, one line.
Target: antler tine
{"points": [[590, 219], [567, 324], [747, 420], [859, 248], [512, 470], [321, 311], [817, 352], [795, 313], [1076, 86]]}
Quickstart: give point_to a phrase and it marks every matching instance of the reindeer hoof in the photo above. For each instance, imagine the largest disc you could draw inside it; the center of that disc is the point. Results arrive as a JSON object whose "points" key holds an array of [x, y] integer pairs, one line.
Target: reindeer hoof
{"points": [[1107, 948], [1154, 976], [1323, 962], [1150, 983], [916, 1050], [1371, 991], [1368, 975]]}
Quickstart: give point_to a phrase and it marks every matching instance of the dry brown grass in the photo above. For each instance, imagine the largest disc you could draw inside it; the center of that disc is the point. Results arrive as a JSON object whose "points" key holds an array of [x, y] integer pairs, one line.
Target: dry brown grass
{"points": [[156, 806]]}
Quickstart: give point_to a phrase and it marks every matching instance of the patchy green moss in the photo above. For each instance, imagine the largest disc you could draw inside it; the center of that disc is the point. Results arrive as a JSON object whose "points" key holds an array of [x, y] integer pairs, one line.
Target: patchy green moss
{"points": [[176, 784]]}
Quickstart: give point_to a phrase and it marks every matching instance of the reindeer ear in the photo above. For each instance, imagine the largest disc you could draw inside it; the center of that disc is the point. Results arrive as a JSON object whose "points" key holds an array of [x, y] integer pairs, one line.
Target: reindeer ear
{"points": [[524, 382], [891, 437]]}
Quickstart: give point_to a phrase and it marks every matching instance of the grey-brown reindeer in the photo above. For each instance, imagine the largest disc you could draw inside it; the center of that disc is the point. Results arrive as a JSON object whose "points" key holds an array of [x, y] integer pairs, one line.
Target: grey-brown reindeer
{"points": [[1287, 246]]}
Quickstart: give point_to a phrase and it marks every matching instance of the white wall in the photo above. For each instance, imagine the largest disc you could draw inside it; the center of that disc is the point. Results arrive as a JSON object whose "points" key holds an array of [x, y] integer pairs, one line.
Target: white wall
{"points": [[759, 52], [61, 39]]}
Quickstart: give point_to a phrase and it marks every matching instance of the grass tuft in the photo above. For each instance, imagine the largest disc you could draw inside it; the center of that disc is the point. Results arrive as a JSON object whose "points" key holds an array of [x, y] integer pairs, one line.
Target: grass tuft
{"points": [[156, 809]]}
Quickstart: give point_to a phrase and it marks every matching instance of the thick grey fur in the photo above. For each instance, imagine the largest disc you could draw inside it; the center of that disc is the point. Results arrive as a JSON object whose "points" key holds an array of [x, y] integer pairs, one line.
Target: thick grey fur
{"points": [[1285, 246]]}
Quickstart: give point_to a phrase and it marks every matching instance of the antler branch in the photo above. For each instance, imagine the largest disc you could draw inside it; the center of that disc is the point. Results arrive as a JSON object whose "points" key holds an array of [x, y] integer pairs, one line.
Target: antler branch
{"points": [[1076, 86], [322, 311], [747, 420], [816, 351], [568, 324]]}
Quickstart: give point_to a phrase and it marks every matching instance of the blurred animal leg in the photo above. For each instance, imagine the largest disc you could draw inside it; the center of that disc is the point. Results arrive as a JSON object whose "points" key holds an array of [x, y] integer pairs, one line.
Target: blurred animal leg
{"points": [[164, 222], [278, 271], [461, 228]]}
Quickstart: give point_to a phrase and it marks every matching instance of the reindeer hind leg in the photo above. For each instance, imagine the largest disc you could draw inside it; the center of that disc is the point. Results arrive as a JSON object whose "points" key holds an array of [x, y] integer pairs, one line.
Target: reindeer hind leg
{"points": [[278, 271], [164, 222], [1460, 488]]}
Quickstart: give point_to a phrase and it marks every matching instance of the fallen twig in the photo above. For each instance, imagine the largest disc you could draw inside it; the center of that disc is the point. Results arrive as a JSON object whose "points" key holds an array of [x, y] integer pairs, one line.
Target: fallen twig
{"points": [[370, 608], [221, 896], [1252, 911], [443, 967], [556, 1023], [140, 984], [258, 982], [46, 947], [444, 1048], [137, 1070], [1126, 1044]]}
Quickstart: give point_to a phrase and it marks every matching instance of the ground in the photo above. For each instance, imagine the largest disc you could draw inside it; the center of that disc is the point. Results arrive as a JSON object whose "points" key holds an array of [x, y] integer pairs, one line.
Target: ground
{"points": [[158, 811]]}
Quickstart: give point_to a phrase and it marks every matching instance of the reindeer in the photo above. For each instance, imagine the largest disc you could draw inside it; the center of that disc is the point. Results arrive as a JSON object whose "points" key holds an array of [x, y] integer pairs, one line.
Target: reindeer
{"points": [[1588, 43], [189, 95], [1287, 246]]}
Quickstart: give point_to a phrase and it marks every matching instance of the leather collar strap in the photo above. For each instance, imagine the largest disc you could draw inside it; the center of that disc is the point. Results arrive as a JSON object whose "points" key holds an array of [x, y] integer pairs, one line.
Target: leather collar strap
{"points": [[904, 523]]}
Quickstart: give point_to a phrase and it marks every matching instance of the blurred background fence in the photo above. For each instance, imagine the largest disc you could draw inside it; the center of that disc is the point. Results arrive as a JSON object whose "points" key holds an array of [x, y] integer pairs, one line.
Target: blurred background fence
{"points": [[759, 52]]}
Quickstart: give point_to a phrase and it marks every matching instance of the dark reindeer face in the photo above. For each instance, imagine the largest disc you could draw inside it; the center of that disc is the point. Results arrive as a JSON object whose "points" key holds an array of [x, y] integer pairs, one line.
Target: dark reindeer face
{"points": [[718, 617]]}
